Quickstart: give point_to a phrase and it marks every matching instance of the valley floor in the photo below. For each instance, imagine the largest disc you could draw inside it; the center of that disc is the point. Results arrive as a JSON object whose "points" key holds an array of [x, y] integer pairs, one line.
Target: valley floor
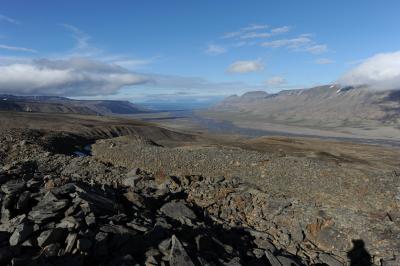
{"points": [[224, 123], [362, 133]]}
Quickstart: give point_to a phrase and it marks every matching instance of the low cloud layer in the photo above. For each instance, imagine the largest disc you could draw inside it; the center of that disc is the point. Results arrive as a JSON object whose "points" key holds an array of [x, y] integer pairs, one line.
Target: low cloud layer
{"points": [[245, 67], [73, 77], [380, 72], [88, 78]]}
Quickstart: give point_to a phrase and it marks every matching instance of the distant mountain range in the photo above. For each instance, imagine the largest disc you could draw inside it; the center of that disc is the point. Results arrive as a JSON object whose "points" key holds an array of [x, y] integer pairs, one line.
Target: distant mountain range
{"points": [[324, 107], [50, 104]]}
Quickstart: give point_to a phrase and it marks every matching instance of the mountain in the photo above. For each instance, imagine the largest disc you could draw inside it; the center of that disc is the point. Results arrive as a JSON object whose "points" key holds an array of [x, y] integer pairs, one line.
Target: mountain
{"points": [[50, 104], [324, 107], [246, 99]]}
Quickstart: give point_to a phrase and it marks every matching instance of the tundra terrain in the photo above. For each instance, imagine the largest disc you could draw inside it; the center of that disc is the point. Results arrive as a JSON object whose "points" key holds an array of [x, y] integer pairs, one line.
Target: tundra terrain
{"points": [[84, 189]]}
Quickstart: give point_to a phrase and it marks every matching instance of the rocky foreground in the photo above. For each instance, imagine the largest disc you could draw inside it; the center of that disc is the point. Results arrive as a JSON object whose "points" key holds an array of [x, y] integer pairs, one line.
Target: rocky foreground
{"points": [[59, 209]]}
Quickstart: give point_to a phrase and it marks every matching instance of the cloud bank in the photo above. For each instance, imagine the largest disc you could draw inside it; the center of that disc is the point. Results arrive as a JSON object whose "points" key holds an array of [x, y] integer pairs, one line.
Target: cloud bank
{"points": [[89, 78], [380, 72], [72, 77]]}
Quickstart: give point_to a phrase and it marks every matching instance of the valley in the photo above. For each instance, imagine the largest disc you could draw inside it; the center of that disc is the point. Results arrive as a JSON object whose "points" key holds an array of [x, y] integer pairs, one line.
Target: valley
{"points": [[199, 133], [325, 111]]}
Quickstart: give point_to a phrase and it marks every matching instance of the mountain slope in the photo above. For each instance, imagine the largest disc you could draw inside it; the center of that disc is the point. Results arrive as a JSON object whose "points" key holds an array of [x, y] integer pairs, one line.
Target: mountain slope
{"points": [[48, 104], [323, 107]]}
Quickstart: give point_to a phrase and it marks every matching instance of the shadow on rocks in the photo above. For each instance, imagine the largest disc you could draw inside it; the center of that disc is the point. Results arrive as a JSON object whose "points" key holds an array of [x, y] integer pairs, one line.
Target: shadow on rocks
{"points": [[221, 244], [359, 255], [69, 221]]}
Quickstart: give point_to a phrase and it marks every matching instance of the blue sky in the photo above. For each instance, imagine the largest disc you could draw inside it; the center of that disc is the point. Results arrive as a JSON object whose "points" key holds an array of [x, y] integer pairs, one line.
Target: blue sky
{"points": [[188, 50]]}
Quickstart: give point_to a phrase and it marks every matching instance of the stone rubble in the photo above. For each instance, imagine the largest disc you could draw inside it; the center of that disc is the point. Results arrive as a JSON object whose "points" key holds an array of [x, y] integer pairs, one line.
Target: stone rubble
{"points": [[75, 222], [63, 210]]}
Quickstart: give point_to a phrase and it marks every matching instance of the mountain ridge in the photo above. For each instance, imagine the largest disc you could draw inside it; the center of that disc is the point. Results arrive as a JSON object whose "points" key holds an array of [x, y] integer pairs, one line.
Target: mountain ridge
{"points": [[315, 97], [329, 107], [55, 104]]}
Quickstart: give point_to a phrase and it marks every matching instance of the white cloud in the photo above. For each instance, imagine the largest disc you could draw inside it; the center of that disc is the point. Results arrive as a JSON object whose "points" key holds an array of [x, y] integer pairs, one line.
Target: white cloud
{"points": [[309, 35], [127, 61], [245, 66], [213, 49], [241, 31], [9, 20], [255, 27], [13, 48], [276, 81], [82, 46], [381, 72], [294, 43], [254, 35], [73, 77], [240, 44], [324, 61], [133, 63], [283, 29], [17, 49], [230, 35], [302, 43], [317, 49], [255, 31], [82, 39]]}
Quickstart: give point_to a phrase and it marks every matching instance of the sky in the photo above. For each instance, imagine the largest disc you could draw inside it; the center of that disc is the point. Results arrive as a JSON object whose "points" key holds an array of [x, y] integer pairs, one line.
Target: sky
{"points": [[186, 50]]}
